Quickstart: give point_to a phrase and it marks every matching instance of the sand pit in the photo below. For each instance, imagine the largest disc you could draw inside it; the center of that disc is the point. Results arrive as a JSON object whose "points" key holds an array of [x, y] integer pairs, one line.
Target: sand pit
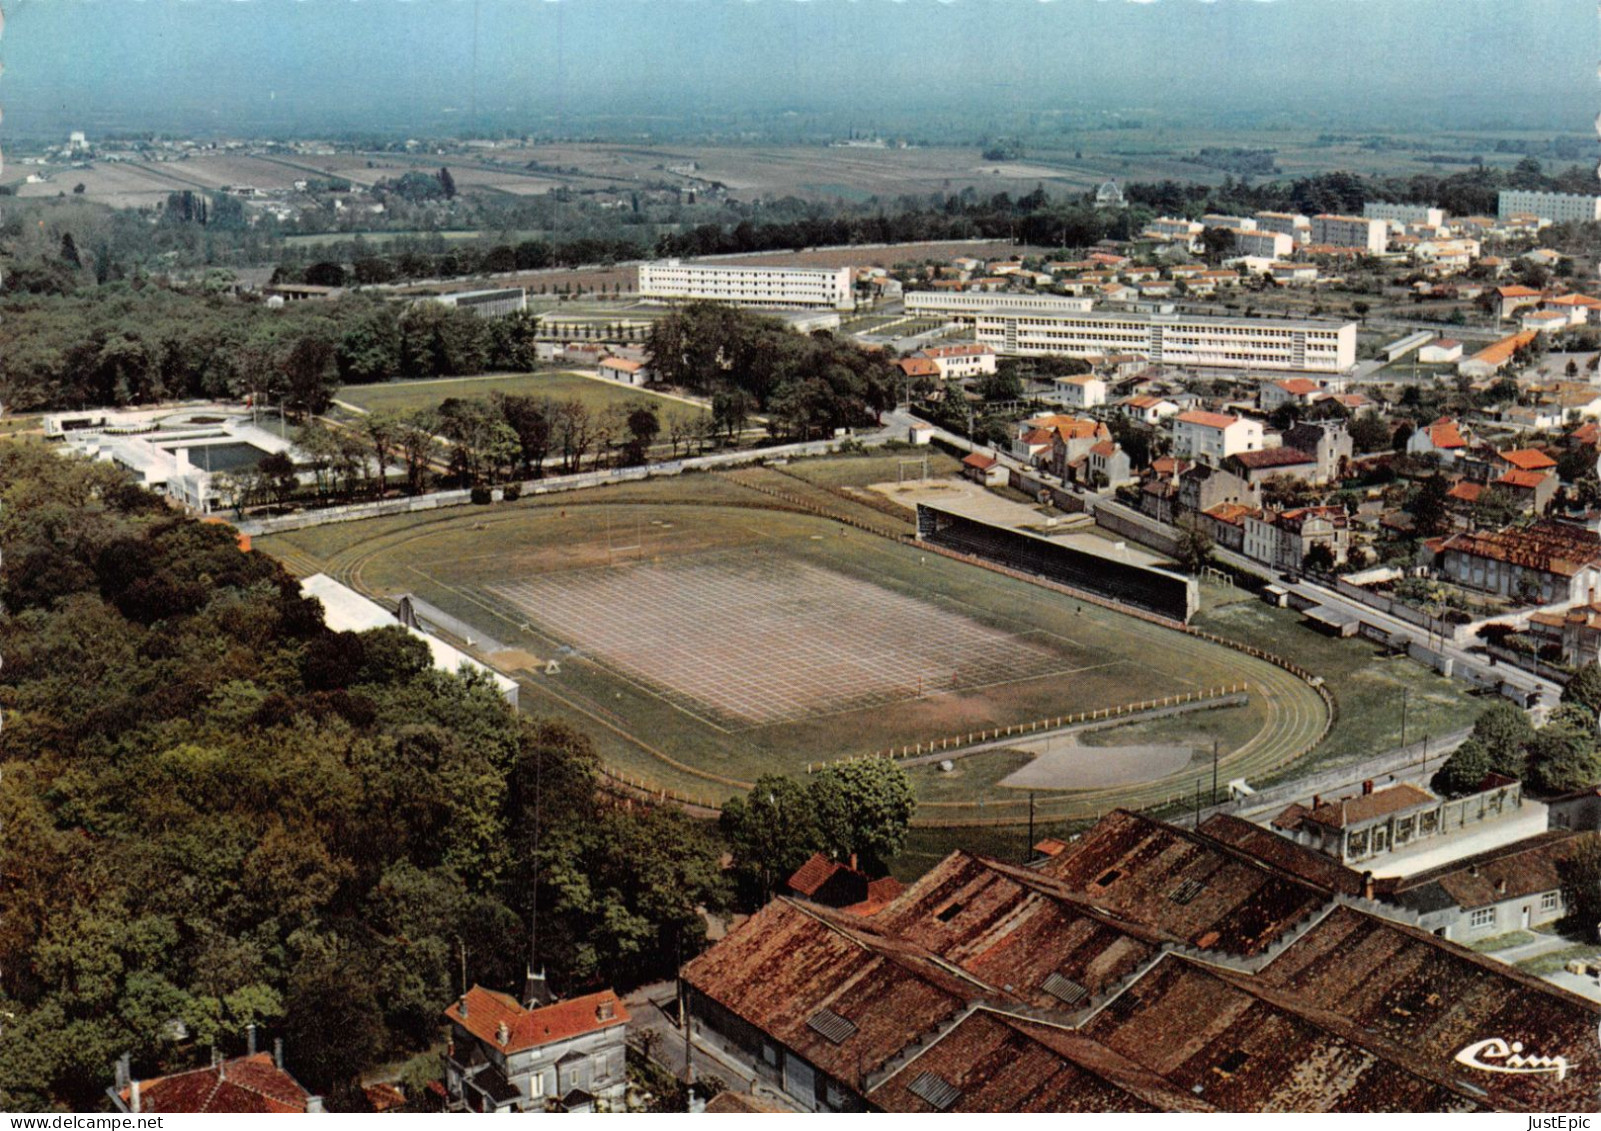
{"points": [[1061, 763]]}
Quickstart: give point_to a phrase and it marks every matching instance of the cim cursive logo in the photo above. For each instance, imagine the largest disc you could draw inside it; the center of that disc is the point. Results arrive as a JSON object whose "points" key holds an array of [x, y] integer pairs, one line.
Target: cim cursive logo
{"points": [[1495, 1055]]}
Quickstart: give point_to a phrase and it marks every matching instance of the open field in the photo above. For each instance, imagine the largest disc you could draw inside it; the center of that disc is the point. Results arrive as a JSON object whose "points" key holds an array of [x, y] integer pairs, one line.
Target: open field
{"points": [[703, 642], [598, 394], [1368, 687]]}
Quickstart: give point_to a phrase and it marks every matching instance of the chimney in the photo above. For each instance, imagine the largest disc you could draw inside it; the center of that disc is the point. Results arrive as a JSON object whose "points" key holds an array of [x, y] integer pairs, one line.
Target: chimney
{"points": [[250, 1039], [1473, 869], [278, 1053], [853, 862], [1501, 887], [1317, 801], [1367, 787], [606, 1010], [123, 1070], [133, 1097], [314, 1105], [461, 1006], [502, 1033], [697, 1102], [1367, 885]]}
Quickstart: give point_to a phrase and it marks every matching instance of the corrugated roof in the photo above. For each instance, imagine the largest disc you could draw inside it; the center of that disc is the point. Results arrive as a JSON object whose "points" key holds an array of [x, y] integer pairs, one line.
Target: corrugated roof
{"points": [[1130, 865]]}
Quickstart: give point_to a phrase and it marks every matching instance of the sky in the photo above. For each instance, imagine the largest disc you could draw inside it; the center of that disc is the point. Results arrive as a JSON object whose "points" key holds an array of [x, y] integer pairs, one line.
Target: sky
{"points": [[578, 67]]}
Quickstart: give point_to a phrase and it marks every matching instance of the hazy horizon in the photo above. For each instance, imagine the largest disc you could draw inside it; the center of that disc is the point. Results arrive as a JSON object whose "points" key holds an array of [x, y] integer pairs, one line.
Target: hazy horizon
{"points": [[676, 67]]}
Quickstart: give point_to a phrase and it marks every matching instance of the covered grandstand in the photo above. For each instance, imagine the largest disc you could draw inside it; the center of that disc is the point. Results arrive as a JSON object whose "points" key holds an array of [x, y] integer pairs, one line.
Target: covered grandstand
{"points": [[1078, 566]]}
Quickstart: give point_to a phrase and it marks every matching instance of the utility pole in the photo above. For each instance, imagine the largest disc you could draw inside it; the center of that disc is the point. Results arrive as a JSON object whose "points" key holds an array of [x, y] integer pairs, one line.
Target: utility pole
{"points": [[1214, 771], [1198, 802], [1028, 851], [1403, 718]]}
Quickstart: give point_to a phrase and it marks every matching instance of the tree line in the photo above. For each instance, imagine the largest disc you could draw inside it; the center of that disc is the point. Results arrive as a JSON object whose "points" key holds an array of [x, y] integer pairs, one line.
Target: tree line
{"points": [[130, 344]]}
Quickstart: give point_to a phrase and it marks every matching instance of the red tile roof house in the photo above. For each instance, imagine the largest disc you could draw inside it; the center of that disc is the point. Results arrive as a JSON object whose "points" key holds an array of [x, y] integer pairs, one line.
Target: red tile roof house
{"points": [[507, 1056], [986, 470], [253, 1083]]}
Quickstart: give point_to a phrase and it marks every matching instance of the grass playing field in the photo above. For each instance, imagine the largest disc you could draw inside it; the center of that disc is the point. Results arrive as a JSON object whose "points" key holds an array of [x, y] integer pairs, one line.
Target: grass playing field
{"points": [[704, 639], [410, 396]]}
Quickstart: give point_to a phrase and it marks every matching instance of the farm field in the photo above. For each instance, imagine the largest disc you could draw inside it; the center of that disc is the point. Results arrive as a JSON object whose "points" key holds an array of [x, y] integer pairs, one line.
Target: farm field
{"points": [[704, 639], [411, 396]]}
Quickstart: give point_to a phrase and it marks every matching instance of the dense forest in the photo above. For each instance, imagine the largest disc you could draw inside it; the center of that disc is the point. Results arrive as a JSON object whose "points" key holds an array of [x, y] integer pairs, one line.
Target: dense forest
{"points": [[218, 813]]}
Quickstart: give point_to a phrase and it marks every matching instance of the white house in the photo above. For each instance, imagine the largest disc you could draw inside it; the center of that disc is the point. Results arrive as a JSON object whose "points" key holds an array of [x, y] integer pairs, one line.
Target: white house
{"points": [[623, 370], [1080, 392], [1441, 351], [1148, 410], [1213, 436], [1291, 390]]}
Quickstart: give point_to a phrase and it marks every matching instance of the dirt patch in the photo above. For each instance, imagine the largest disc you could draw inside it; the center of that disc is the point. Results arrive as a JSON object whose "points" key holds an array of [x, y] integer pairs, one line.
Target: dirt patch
{"points": [[1063, 764]]}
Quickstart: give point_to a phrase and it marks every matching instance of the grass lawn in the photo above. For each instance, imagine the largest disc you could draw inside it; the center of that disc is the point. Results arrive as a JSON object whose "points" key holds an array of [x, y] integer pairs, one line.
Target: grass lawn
{"points": [[12, 425], [650, 719], [1502, 942], [874, 467], [410, 396], [1367, 686]]}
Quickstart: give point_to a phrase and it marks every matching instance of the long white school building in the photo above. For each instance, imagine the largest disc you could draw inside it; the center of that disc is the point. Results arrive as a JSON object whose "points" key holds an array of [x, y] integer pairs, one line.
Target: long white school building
{"points": [[748, 286], [1177, 339], [966, 305]]}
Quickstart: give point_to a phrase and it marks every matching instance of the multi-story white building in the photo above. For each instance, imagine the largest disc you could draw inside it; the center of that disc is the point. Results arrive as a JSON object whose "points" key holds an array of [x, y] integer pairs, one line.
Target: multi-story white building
{"points": [[748, 286], [1232, 223], [1404, 213], [495, 303], [1214, 436], [1173, 228], [1176, 339], [1266, 245], [964, 305], [1351, 231], [1080, 392], [1557, 207], [956, 362], [1292, 224]]}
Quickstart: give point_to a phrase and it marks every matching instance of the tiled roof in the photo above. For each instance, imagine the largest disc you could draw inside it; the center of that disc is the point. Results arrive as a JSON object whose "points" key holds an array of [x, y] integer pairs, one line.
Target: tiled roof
{"points": [[818, 870], [1298, 385], [1436, 999], [978, 461], [1273, 457], [245, 1084], [1501, 351], [1283, 853], [1523, 480], [789, 961], [1207, 419], [1014, 927], [995, 1063], [1132, 865], [1546, 547], [1529, 459], [530, 1028], [1349, 811], [1467, 491], [1241, 1046], [1444, 433], [1513, 871]]}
